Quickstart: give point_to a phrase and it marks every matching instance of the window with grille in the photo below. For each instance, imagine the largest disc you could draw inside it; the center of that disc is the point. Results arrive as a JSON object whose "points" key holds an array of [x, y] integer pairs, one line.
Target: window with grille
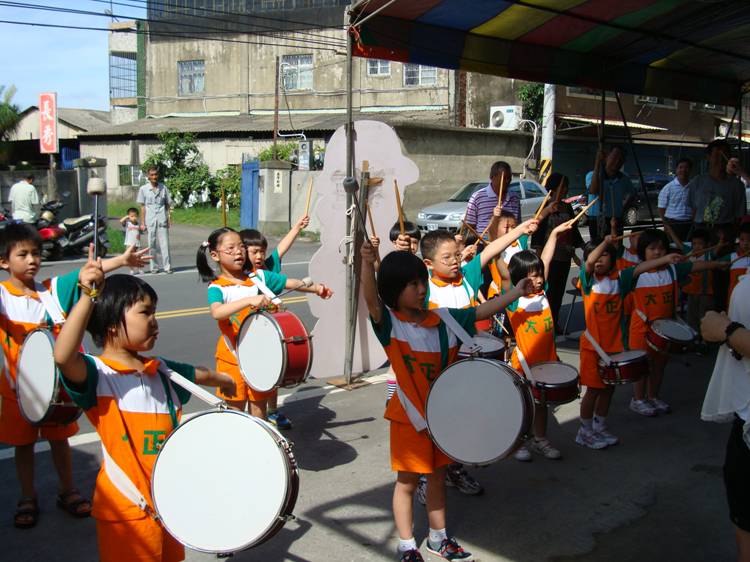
{"points": [[130, 175], [419, 75], [297, 72], [191, 75], [123, 75], [377, 67]]}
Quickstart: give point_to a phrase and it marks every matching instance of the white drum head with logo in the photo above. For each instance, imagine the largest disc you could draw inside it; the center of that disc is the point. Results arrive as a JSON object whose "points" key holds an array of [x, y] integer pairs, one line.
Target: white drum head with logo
{"points": [[260, 352], [487, 342], [673, 330], [627, 356], [553, 373], [220, 481], [36, 375], [488, 429]]}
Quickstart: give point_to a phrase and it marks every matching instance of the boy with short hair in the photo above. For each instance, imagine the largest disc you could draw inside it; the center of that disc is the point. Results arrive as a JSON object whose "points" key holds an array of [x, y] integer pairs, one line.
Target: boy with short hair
{"points": [[132, 225], [411, 230]]}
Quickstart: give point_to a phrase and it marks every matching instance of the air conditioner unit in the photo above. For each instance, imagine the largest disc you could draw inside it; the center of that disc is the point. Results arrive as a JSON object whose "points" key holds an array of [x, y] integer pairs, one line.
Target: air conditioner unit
{"points": [[505, 117]]}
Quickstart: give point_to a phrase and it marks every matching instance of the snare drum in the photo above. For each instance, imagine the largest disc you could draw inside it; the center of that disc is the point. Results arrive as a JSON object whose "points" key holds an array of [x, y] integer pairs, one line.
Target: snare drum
{"points": [[273, 350], [670, 336], [42, 398], [627, 366], [224, 481], [500, 415], [490, 347], [554, 383]]}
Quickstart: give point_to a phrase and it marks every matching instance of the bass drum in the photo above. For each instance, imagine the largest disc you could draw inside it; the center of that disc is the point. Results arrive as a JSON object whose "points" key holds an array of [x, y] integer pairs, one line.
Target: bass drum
{"points": [[499, 418], [224, 481]]}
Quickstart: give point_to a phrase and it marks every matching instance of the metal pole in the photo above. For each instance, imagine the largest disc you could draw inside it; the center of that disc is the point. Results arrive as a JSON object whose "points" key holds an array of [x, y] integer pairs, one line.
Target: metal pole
{"points": [[276, 112], [351, 295], [739, 132], [635, 158], [600, 228], [548, 122]]}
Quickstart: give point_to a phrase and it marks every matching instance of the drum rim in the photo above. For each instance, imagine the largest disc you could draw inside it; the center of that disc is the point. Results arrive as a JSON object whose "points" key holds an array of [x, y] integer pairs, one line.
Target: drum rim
{"points": [[528, 407], [538, 384], [291, 474], [57, 383], [309, 346], [284, 358], [636, 359], [668, 321]]}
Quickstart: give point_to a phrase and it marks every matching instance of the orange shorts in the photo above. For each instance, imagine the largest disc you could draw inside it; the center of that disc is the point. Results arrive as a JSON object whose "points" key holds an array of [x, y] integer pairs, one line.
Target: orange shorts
{"points": [[244, 391], [414, 452], [16, 431], [138, 540], [588, 369]]}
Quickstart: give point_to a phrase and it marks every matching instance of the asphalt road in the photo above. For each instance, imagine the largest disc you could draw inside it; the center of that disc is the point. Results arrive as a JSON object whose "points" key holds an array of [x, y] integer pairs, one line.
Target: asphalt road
{"points": [[657, 496]]}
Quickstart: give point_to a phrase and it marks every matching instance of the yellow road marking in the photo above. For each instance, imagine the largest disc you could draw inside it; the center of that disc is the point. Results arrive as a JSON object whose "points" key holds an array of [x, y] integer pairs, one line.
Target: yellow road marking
{"points": [[204, 309]]}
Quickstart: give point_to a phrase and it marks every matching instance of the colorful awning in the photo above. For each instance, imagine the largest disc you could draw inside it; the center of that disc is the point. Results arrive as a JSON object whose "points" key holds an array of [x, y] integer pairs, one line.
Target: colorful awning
{"points": [[696, 50]]}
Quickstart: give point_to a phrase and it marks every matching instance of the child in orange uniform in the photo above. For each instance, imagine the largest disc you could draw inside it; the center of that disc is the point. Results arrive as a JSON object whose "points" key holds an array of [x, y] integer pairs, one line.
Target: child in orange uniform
{"points": [[531, 318], [232, 295], [23, 309], [699, 287], [124, 396], [411, 336], [628, 257], [654, 297]]}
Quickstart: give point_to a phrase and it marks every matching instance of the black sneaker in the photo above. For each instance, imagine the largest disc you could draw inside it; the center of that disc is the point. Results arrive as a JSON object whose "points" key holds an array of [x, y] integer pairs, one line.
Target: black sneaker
{"points": [[457, 477], [449, 549], [412, 555]]}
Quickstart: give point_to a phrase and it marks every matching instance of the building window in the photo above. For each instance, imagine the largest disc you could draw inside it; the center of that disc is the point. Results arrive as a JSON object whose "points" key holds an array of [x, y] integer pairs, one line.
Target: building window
{"points": [[709, 108], [376, 67], [297, 72], [656, 101], [191, 77], [418, 75], [123, 75], [577, 92], [130, 175]]}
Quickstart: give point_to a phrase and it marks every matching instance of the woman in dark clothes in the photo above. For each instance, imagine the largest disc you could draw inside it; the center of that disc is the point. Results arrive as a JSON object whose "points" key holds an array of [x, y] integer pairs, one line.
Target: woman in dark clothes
{"points": [[556, 213]]}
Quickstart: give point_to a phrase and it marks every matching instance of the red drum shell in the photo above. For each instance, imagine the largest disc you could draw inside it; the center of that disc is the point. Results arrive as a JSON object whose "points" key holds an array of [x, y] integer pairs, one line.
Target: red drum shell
{"points": [[662, 343], [554, 393], [299, 353], [623, 372]]}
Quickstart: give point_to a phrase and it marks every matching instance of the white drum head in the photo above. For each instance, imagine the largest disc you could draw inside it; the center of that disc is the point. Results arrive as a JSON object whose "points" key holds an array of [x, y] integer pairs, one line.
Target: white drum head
{"points": [[553, 373], [36, 375], [486, 431], [220, 481], [627, 356], [260, 352], [673, 330], [487, 342]]}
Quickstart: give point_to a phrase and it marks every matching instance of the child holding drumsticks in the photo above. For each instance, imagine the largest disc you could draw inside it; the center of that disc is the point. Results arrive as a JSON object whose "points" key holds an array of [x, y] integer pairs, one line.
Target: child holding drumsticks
{"points": [[131, 403], [232, 295], [419, 346]]}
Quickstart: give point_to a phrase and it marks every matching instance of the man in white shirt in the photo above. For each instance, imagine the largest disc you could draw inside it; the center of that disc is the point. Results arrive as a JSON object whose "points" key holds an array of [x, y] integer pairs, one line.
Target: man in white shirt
{"points": [[674, 206], [23, 197]]}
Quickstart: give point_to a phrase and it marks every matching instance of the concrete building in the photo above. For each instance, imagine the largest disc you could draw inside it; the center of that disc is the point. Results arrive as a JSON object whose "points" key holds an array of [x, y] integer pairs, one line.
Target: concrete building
{"points": [[126, 71]]}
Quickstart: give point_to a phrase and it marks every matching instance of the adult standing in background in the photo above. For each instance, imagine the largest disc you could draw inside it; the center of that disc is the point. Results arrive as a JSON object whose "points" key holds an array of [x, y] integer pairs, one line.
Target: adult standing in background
{"points": [[156, 217], [612, 187], [483, 201], [23, 199], [674, 207]]}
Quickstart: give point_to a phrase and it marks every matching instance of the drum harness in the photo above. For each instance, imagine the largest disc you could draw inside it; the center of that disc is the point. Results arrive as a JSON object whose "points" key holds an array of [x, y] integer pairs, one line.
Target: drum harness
{"points": [[675, 317]]}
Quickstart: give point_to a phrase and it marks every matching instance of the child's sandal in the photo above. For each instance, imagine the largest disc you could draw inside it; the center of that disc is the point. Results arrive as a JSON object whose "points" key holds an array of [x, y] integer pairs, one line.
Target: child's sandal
{"points": [[72, 501], [27, 513]]}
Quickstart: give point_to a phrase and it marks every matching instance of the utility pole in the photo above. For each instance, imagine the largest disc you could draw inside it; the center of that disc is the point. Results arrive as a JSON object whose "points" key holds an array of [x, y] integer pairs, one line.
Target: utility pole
{"points": [[351, 285], [548, 122], [276, 111]]}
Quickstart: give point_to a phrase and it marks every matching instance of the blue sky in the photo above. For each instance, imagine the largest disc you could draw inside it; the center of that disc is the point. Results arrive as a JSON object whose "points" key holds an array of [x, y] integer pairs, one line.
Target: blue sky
{"points": [[71, 62]]}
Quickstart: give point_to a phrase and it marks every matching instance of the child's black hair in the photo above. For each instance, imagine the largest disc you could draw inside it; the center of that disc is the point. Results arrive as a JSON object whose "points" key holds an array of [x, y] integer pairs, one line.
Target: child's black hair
{"points": [[410, 229], [14, 234], [701, 234], [120, 293], [132, 210], [470, 238], [523, 264], [508, 215], [744, 228], [429, 244], [205, 271], [648, 237], [396, 271], [252, 237], [608, 249]]}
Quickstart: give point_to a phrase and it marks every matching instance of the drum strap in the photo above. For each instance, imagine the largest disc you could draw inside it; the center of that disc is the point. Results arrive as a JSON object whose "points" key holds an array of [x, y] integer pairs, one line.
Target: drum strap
{"points": [[524, 365], [191, 387], [457, 329], [124, 484], [263, 288], [50, 304], [168, 393], [416, 419], [603, 354]]}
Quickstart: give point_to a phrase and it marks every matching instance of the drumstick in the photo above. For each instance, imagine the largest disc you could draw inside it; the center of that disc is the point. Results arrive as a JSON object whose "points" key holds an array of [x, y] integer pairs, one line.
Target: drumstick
{"points": [[481, 236], [501, 325], [304, 282], [541, 207], [309, 195], [580, 214], [699, 252], [470, 228], [372, 222], [738, 258], [623, 236], [398, 207]]}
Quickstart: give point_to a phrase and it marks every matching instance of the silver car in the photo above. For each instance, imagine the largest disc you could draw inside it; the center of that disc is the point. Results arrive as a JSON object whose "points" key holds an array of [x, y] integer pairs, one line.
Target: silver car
{"points": [[449, 214]]}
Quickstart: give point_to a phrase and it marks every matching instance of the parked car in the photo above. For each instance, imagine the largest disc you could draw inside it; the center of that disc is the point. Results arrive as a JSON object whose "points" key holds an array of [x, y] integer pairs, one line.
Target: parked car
{"points": [[635, 209], [449, 214]]}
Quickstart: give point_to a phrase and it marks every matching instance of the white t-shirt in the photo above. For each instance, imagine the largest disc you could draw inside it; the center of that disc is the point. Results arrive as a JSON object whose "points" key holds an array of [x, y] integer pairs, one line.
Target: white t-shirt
{"points": [[23, 197]]}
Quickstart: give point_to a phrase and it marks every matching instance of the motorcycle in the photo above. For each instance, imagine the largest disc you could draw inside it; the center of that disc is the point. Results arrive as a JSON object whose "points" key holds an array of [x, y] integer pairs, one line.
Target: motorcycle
{"points": [[72, 236], [51, 234]]}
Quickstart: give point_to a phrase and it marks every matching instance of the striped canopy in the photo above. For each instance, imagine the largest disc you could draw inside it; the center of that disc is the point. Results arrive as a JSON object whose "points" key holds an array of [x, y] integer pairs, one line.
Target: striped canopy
{"points": [[697, 50]]}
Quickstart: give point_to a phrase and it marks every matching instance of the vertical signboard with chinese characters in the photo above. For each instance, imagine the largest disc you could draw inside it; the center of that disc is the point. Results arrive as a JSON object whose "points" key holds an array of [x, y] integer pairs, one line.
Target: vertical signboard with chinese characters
{"points": [[48, 142]]}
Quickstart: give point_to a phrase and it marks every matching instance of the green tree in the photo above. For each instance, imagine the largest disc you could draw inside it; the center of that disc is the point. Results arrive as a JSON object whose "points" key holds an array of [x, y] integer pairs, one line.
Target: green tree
{"points": [[532, 99], [284, 151], [182, 169], [10, 115], [229, 180]]}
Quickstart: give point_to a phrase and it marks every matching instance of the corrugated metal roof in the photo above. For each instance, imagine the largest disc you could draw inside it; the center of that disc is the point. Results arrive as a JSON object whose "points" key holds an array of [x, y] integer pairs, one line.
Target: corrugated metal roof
{"points": [[83, 119]]}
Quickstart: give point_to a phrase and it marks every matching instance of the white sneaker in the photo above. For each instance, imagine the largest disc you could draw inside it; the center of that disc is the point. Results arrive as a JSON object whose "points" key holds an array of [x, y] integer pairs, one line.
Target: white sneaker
{"points": [[588, 438], [522, 454], [642, 407], [544, 447], [660, 406], [606, 436]]}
